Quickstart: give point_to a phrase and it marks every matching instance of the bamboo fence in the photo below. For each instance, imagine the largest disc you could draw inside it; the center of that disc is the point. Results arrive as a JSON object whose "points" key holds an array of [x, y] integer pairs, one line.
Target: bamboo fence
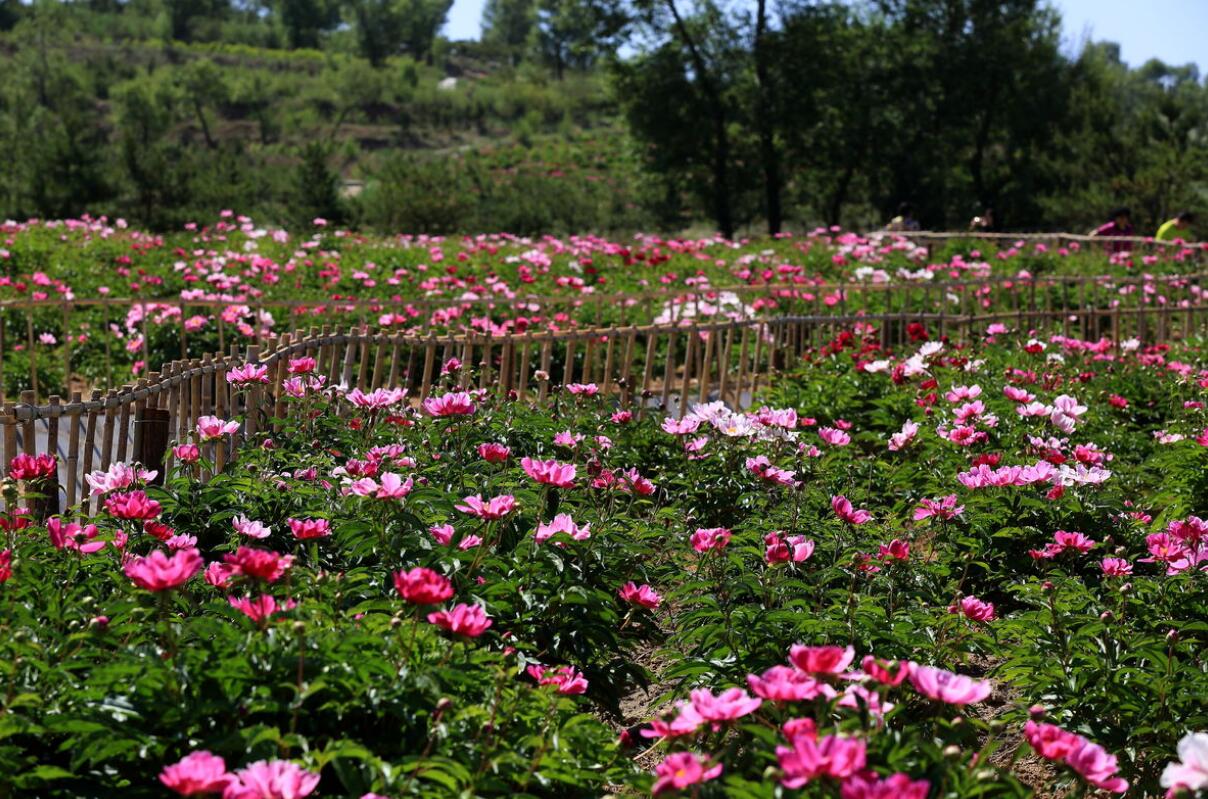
{"points": [[649, 368], [44, 372]]}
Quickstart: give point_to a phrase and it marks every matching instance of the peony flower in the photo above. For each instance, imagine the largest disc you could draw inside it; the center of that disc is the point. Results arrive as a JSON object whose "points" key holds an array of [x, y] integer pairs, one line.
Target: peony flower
{"points": [[495, 508], [834, 436], [247, 374], [1096, 766], [730, 705], [306, 529], [897, 549], [301, 366], [974, 609], [457, 403], [260, 609], [72, 536], [1191, 772], [682, 770], [210, 428], [119, 477], [640, 595], [890, 673], [1116, 567], [565, 678], [944, 686], [258, 564], [844, 510], [272, 779], [187, 453], [29, 467], [807, 759], [196, 774], [551, 472], [787, 684], [900, 440], [422, 586], [6, 565], [562, 523], [158, 572], [468, 620], [821, 659], [393, 486], [896, 786], [943, 510], [493, 453], [710, 538], [133, 505], [252, 529]]}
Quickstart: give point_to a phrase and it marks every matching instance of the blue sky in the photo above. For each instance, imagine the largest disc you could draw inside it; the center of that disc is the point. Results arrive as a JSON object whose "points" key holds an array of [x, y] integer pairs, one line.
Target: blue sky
{"points": [[1175, 31]]}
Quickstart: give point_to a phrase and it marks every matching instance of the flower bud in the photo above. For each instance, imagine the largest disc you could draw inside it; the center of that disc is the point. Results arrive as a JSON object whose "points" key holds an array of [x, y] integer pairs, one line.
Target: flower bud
{"points": [[952, 751], [1106, 616]]}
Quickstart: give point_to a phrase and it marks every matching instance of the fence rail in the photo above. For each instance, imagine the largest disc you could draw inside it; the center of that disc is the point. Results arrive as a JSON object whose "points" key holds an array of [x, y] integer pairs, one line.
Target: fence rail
{"points": [[643, 367], [160, 334]]}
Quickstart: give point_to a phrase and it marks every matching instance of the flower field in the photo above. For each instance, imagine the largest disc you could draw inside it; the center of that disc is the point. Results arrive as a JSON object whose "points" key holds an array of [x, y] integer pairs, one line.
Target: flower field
{"points": [[96, 299], [943, 568]]}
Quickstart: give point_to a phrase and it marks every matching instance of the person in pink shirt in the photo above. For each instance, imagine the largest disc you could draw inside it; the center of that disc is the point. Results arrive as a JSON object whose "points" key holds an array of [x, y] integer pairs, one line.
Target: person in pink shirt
{"points": [[1119, 224]]}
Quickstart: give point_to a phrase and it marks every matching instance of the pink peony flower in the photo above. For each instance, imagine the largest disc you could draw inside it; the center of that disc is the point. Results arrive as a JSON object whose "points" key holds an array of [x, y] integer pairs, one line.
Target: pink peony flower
{"points": [[272, 779], [1191, 772], [495, 508], [158, 572], [196, 774], [821, 659], [710, 538], [1116, 567], [422, 586], [252, 529], [897, 549], [844, 510], [457, 403], [640, 595], [187, 453], [890, 673], [468, 620], [787, 684], [261, 608], [900, 440], [943, 510], [306, 529], [134, 505], [562, 523], [551, 472], [258, 564], [72, 536], [301, 366], [566, 679], [730, 705], [493, 453], [29, 467], [974, 609], [807, 759], [1096, 766], [897, 786], [834, 436], [944, 686], [247, 374], [682, 770], [443, 533], [210, 428]]}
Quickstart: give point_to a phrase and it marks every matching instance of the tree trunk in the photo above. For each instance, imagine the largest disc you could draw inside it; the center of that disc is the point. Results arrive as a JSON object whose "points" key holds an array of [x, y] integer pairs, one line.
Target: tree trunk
{"points": [[765, 119], [722, 210]]}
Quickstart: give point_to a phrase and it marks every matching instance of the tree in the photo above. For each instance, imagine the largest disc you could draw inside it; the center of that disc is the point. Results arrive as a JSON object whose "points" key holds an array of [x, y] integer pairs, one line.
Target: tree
{"points": [[306, 21], [575, 33], [509, 26]]}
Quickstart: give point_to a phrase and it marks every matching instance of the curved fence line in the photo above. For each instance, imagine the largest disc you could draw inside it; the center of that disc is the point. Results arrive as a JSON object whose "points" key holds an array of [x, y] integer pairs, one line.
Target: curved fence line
{"points": [[159, 332], [645, 368]]}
